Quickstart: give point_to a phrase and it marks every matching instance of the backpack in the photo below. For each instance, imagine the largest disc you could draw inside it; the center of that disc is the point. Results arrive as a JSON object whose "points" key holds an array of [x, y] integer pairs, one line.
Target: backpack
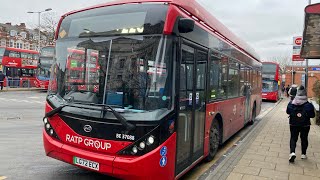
{"points": [[298, 116]]}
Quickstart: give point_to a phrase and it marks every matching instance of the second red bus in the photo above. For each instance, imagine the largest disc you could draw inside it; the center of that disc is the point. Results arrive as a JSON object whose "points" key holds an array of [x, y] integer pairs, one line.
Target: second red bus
{"points": [[19, 66], [271, 81]]}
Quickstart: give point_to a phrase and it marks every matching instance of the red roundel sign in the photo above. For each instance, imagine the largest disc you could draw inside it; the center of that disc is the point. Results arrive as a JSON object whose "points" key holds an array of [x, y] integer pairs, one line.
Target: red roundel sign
{"points": [[298, 41]]}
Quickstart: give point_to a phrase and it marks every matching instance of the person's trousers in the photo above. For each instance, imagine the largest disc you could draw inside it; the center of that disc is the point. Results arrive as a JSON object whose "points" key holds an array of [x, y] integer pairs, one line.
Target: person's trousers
{"points": [[1, 84], [304, 132]]}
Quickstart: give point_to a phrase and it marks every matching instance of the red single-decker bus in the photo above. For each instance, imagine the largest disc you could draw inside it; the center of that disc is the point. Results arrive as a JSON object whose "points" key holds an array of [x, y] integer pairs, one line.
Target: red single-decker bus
{"points": [[173, 84]]}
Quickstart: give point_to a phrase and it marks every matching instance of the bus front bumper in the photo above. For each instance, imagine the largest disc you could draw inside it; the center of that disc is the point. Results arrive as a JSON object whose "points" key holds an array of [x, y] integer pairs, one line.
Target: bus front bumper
{"points": [[139, 167]]}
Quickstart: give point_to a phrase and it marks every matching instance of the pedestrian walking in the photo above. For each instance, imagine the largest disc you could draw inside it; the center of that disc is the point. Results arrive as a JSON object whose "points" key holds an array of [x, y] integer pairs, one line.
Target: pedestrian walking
{"points": [[300, 111], [2, 77], [287, 90], [293, 91]]}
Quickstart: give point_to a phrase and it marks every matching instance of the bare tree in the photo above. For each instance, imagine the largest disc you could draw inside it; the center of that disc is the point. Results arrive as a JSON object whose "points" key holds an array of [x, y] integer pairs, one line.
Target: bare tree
{"points": [[49, 23], [283, 61]]}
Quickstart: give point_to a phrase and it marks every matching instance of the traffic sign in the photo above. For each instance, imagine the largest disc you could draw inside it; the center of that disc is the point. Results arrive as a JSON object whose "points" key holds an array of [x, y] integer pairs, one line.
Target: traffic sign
{"points": [[297, 41]]}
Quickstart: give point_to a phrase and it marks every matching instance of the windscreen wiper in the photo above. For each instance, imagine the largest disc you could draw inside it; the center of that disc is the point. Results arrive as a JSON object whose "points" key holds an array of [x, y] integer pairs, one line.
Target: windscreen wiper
{"points": [[123, 120], [55, 111]]}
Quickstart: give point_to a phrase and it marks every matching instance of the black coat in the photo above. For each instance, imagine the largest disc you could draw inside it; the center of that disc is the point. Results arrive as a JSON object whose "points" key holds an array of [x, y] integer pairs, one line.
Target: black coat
{"points": [[2, 76], [308, 108]]}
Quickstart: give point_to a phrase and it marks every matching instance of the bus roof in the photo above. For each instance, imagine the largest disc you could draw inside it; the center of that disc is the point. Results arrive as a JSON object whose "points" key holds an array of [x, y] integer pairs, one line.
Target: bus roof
{"points": [[196, 10], [20, 50], [269, 62]]}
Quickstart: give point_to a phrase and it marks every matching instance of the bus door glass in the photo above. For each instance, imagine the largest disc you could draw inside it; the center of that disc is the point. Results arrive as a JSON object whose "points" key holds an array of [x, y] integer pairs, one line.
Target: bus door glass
{"points": [[247, 92], [192, 107]]}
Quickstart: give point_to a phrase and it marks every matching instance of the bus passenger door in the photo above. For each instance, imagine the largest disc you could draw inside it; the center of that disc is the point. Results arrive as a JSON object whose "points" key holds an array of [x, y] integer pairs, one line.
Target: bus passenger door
{"points": [[247, 93], [190, 123]]}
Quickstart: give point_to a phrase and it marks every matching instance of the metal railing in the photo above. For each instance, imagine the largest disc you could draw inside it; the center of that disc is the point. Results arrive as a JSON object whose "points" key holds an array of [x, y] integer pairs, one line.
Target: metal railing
{"points": [[18, 83]]}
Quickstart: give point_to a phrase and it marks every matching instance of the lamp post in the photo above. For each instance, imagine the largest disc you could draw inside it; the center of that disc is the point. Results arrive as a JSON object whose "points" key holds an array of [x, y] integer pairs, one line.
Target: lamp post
{"points": [[39, 16]]}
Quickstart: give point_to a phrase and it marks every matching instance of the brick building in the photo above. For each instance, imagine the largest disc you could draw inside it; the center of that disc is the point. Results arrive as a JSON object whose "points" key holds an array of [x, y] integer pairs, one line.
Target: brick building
{"points": [[297, 76], [18, 36]]}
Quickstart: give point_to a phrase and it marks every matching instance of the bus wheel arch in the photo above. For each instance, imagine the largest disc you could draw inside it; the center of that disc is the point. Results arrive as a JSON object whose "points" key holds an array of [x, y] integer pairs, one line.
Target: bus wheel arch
{"points": [[215, 137]]}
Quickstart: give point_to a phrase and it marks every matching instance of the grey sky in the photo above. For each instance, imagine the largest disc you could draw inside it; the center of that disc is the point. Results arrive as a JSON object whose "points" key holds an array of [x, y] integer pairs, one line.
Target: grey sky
{"points": [[261, 23]]}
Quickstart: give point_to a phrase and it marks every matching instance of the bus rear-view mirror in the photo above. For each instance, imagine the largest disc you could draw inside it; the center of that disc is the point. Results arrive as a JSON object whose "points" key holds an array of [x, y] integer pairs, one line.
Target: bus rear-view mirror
{"points": [[185, 25]]}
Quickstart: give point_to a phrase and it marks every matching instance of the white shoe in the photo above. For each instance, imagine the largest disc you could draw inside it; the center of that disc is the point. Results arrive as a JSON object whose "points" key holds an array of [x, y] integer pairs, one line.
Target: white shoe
{"points": [[303, 156], [292, 156]]}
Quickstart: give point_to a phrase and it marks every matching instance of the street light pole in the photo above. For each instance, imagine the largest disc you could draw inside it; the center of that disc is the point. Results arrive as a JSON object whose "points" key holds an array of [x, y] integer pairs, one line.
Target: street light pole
{"points": [[39, 25], [39, 38]]}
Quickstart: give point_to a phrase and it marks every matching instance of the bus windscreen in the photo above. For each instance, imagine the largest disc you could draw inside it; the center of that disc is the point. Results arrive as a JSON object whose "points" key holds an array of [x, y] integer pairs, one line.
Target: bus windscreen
{"points": [[115, 20], [269, 68]]}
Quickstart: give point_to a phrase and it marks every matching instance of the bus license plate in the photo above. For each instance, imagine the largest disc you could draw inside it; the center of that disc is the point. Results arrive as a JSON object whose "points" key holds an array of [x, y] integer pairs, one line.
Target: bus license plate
{"points": [[86, 163]]}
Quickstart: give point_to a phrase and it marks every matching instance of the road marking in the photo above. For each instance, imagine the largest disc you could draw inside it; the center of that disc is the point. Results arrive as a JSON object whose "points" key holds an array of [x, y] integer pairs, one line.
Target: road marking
{"points": [[3, 177], [34, 97], [20, 101]]}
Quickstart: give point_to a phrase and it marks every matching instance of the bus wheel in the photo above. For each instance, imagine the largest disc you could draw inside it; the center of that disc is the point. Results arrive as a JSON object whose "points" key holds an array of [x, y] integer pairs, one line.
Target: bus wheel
{"points": [[214, 140], [253, 116]]}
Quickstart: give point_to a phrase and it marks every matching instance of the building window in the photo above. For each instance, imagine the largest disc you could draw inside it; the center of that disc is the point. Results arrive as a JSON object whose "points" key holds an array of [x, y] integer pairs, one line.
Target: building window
{"points": [[19, 44], [13, 33], [27, 46], [11, 43], [23, 35], [3, 42]]}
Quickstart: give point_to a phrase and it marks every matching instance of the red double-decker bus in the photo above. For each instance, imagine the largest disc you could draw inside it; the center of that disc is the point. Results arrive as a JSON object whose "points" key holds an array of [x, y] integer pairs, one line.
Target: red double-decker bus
{"points": [[172, 85], [44, 67], [82, 66], [271, 81], [19, 66]]}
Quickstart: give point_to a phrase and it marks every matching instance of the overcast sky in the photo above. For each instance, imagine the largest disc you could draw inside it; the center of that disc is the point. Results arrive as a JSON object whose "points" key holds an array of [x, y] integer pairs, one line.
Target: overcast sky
{"points": [[261, 23]]}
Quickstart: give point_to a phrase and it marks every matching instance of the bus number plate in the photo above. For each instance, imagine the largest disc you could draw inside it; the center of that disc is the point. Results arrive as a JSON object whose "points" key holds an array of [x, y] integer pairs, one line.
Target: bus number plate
{"points": [[86, 163]]}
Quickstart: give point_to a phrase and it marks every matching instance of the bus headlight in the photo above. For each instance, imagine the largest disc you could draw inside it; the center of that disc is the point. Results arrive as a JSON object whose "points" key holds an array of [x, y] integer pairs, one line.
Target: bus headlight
{"points": [[134, 150], [49, 129], [48, 126], [45, 120], [150, 140], [142, 145]]}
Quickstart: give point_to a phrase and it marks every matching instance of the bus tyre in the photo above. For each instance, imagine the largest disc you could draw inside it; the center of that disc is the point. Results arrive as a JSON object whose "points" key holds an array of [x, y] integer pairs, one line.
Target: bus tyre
{"points": [[253, 116], [214, 140]]}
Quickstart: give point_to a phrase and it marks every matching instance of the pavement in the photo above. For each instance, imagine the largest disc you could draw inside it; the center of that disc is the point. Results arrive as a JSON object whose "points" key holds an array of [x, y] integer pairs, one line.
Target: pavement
{"points": [[264, 153]]}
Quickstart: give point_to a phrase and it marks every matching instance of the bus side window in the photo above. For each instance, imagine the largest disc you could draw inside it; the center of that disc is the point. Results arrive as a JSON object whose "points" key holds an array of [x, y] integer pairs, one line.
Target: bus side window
{"points": [[233, 79], [218, 76], [215, 76], [242, 79], [224, 77]]}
